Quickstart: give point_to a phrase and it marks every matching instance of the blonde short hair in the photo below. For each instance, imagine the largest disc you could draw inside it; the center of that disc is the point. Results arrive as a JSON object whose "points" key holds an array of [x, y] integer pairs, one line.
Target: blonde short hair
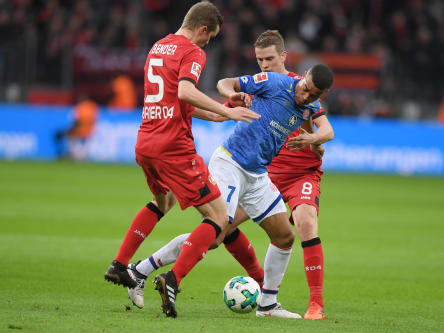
{"points": [[269, 38]]}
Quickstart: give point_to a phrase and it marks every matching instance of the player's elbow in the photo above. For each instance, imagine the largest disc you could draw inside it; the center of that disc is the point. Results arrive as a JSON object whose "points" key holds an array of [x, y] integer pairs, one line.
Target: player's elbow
{"points": [[219, 85], [226, 86], [330, 134]]}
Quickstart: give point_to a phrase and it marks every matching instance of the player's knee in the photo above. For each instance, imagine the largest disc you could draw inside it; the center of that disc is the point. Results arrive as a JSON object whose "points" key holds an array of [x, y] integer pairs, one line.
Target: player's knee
{"points": [[289, 239], [304, 223], [164, 205], [285, 239], [305, 218], [219, 216]]}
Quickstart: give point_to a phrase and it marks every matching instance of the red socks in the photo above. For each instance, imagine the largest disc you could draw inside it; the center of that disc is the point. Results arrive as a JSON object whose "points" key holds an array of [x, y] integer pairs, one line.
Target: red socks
{"points": [[194, 248], [140, 228], [314, 268], [240, 248]]}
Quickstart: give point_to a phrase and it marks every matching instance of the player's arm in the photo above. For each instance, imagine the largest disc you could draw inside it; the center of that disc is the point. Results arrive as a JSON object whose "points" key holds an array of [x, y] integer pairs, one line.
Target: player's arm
{"points": [[323, 134], [230, 88], [188, 93], [308, 125], [207, 115], [318, 150]]}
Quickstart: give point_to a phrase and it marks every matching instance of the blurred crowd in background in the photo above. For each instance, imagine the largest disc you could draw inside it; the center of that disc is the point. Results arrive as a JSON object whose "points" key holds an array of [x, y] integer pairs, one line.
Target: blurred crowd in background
{"points": [[44, 44]]}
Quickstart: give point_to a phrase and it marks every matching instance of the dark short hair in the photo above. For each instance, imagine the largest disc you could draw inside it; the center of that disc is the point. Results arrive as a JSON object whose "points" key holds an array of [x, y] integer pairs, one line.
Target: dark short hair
{"points": [[269, 38], [321, 75], [203, 13]]}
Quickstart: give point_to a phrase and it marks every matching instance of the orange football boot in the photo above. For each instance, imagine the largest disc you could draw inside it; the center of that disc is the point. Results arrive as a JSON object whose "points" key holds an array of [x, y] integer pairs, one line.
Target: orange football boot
{"points": [[314, 312]]}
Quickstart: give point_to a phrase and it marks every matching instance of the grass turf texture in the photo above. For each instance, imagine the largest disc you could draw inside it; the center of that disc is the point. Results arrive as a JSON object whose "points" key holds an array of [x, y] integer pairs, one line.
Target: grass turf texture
{"points": [[62, 223]]}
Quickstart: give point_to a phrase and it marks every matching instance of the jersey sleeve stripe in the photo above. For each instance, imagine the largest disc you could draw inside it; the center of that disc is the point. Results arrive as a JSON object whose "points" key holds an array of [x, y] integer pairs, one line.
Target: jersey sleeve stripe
{"points": [[226, 151], [318, 114], [187, 79]]}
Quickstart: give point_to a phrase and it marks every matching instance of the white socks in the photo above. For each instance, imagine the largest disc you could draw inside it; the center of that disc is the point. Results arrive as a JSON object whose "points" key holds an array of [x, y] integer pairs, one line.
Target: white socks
{"points": [[164, 256], [276, 262]]}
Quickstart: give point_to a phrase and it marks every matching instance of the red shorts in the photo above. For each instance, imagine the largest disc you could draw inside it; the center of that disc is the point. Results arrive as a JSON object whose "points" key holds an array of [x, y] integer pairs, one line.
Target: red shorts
{"points": [[299, 189], [188, 178]]}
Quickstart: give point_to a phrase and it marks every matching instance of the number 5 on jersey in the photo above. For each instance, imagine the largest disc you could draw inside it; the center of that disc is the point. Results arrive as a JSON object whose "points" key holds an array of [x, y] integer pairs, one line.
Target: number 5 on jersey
{"points": [[156, 79]]}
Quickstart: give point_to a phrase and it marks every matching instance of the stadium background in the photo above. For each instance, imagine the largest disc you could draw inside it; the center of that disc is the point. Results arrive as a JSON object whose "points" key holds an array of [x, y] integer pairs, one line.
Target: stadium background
{"points": [[382, 193], [387, 58]]}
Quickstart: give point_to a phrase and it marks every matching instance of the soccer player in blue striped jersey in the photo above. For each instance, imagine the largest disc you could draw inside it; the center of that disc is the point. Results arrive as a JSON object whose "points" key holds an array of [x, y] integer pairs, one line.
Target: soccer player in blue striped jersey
{"points": [[282, 112], [239, 165]]}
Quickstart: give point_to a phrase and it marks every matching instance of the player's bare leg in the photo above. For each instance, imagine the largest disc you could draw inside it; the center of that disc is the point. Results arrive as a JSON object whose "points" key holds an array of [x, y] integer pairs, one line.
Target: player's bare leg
{"points": [[306, 222], [278, 254]]}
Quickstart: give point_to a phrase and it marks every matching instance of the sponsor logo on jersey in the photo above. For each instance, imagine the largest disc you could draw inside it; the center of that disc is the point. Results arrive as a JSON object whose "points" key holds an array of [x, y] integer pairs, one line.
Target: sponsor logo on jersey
{"points": [[196, 69], [279, 127], [293, 119], [260, 77], [305, 197], [157, 112], [244, 79]]}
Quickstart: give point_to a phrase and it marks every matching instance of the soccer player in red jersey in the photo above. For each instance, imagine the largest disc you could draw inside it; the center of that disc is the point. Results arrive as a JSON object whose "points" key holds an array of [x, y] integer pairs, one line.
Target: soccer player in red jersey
{"points": [[296, 173], [166, 152]]}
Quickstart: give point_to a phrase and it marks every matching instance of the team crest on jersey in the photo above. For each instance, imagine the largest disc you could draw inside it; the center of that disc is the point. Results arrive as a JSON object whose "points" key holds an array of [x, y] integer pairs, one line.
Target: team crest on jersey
{"points": [[293, 119], [306, 114], [260, 77], [196, 69]]}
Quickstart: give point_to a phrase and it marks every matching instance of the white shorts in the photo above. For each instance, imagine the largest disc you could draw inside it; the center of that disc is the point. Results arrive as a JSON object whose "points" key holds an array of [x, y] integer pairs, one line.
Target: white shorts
{"points": [[254, 192]]}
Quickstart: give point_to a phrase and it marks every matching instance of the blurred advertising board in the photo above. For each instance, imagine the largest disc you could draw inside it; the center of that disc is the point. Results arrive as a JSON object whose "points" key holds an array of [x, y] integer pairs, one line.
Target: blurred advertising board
{"points": [[360, 145]]}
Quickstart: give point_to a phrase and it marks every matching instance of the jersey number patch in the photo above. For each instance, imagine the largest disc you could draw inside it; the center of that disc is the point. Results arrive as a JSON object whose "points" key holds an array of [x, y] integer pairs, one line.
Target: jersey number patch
{"points": [[156, 79]]}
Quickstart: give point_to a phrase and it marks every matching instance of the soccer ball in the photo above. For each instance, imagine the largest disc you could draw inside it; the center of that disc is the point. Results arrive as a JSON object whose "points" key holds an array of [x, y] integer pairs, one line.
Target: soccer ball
{"points": [[241, 294]]}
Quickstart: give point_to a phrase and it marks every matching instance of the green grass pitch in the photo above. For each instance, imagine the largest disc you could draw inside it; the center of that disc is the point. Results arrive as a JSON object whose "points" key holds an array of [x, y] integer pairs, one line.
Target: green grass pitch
{"points": [[62, 223]]}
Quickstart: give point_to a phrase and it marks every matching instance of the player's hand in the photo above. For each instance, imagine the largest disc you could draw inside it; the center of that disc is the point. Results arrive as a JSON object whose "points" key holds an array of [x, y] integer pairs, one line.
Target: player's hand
{"points": [[301, 141], [318, 150], [244, 114], [241, 99]]}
